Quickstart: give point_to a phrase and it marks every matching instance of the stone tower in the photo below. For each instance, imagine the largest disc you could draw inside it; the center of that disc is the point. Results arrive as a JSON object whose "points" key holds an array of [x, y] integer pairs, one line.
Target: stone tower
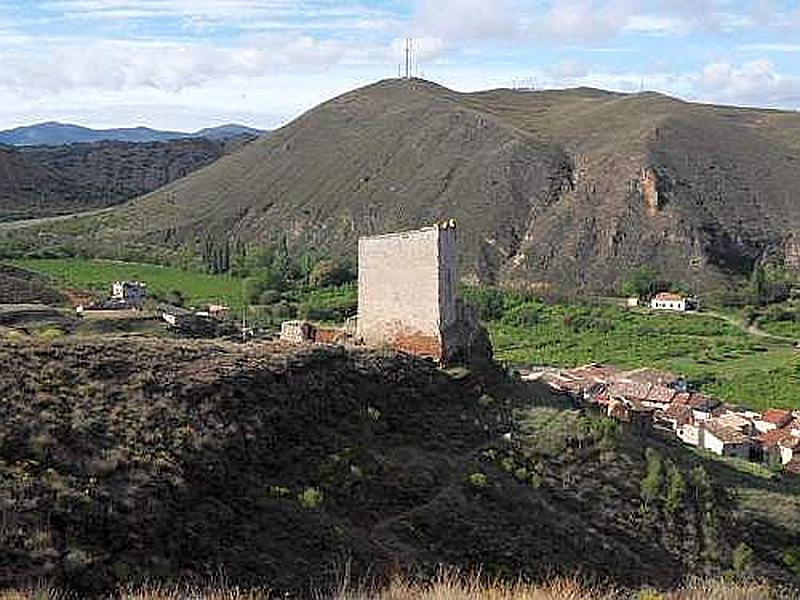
{"points": [[407, 290]]}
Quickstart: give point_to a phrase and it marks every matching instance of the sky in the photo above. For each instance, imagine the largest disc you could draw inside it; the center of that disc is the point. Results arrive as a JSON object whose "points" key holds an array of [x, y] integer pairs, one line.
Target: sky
{"points": [[187, 64]]}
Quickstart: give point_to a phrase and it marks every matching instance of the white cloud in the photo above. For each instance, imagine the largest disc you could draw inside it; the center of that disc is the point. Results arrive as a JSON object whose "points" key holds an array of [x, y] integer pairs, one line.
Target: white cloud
{"points": [[587, 19], [468, 19], [756, 82], [568, 70], [206, 15], [772, 47], [169, 66]]}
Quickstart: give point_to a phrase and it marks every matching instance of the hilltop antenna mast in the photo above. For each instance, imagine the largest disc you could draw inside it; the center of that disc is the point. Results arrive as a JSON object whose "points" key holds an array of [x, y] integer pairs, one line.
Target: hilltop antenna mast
{"points": [[408, 58]]}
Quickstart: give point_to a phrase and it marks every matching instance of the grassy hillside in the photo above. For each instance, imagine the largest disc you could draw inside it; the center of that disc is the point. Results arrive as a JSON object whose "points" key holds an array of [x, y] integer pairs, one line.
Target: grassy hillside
{"points": [[569, 189], [126, 459]]}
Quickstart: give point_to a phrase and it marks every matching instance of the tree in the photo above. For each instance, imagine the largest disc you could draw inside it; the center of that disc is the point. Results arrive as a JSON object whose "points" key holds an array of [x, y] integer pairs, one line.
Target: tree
{"points": [[330, 272], [644, 282], [653, 479], [676, 489], [759, 286], [253, 287]]}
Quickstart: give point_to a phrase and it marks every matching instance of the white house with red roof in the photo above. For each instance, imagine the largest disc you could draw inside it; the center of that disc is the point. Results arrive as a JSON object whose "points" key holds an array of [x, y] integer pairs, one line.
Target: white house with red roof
{"points": [[670, 301]]}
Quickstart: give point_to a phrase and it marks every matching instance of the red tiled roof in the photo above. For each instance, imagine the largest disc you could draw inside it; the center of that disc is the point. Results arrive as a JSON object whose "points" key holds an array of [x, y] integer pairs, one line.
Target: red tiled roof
{"points": [[648, 375], [631, 391], [703, 401], [774, 437], [777, 417], [681, 413], [668, 297], [661, 394]]}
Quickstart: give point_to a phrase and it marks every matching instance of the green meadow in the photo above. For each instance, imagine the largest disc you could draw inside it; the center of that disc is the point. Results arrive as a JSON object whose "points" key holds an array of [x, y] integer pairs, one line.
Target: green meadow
{"points": [[721, 358], [97, 275]]}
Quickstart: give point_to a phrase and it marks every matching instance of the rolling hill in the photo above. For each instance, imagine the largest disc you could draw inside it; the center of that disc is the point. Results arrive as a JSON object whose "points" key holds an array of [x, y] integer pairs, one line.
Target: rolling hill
{"points": [[124, 460], [40, 181], [567, 189], [53, 134]]}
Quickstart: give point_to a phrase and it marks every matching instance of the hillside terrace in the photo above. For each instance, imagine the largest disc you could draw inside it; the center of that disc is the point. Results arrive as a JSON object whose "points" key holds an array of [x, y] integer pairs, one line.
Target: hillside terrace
{"points": [[665, 401]]}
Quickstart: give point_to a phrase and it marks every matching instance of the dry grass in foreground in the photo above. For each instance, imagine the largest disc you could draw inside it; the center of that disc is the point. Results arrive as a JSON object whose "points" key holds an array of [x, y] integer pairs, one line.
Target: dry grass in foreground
{"points": [[449, 587]]}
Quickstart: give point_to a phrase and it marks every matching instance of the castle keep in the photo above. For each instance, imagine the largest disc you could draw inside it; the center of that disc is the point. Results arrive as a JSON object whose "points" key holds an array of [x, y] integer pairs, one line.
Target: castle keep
{"points": [[407, 291]]}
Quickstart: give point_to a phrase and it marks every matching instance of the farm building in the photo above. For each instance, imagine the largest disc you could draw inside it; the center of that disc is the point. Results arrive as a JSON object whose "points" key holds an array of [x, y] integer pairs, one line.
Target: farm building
{"points": [[131, 293], [669, 301]]}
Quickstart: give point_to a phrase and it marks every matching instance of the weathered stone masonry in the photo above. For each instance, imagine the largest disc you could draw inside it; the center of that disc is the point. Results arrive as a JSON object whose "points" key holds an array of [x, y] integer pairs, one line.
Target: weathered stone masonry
{"points": [[407, 290]]}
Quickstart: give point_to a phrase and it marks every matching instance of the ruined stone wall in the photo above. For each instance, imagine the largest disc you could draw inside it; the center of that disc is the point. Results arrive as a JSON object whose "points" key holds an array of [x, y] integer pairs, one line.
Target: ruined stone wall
{"points": [[406, 289]]}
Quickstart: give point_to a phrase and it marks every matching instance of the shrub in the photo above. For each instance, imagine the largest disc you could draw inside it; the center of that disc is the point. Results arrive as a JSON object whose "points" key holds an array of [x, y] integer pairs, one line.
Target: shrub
{"points": [[269, 297], [478, 480], [330, 272], [742, 558], [310, 497], [488, 301], [525, 315], [50, 333], [175, 297]]}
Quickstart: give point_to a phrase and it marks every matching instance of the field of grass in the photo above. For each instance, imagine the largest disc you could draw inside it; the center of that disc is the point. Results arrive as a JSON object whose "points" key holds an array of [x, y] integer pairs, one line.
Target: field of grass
{"points": [[721, 358], [453, 586], [98, 275]]}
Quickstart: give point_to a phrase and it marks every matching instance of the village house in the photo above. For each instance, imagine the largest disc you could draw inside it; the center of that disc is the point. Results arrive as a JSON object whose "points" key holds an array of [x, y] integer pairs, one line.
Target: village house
{"points": [[773, 419], [735, 420], [305, 332], [130, 293], [689, 433], [297, 332], [176, 316], [779, 444], [669, 301], [702, 406], [724, 440], [631, 412]]}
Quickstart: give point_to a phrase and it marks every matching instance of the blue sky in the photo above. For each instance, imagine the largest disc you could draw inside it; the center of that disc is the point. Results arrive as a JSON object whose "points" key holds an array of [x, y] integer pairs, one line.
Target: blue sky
{"points": [[186, 64]]}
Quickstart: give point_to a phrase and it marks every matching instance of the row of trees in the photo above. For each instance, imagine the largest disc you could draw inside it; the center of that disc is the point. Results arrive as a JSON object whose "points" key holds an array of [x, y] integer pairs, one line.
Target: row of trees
{"points": [[268, 270]]}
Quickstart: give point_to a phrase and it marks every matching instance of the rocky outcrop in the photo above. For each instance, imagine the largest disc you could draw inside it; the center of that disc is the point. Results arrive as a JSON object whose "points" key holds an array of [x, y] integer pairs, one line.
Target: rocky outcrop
{"points": [[649, 187]]}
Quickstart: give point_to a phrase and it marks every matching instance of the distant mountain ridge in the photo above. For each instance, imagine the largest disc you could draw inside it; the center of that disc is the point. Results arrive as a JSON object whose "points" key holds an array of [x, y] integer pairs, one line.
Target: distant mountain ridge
{"points": [[41, 181], [55, 134]]}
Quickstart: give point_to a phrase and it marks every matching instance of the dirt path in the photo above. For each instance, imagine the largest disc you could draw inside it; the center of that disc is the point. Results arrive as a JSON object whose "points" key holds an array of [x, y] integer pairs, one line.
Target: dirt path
{"points": [[751, 329], [22, 224]]}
